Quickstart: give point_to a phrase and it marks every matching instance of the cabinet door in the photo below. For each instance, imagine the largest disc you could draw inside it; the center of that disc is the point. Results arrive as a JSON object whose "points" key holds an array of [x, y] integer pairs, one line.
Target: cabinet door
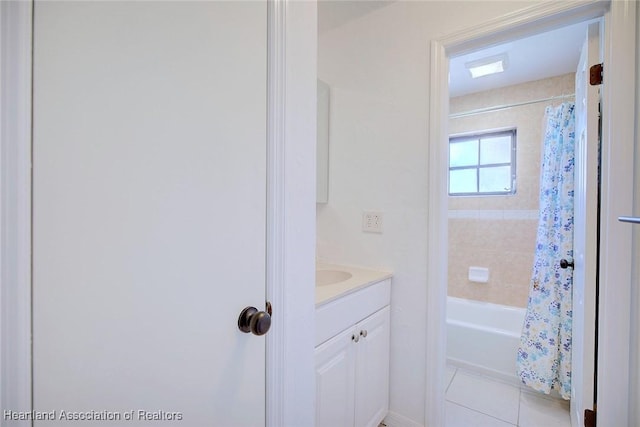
{"points": [[335, 380], [372, 369]]}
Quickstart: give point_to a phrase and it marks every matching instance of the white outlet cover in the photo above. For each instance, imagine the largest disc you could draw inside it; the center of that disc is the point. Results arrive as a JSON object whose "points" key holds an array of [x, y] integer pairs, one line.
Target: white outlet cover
{"points": [[372, 222]]}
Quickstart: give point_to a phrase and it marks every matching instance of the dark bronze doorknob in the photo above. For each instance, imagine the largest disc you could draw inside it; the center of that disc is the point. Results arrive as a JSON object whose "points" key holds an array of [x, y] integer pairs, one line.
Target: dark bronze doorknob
{"points": [[254, 321], [564, 263]]}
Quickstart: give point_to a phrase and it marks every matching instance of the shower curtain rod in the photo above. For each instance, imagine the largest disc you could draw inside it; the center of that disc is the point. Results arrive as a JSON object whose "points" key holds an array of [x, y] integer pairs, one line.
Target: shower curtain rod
{"points": [[507, 106]]}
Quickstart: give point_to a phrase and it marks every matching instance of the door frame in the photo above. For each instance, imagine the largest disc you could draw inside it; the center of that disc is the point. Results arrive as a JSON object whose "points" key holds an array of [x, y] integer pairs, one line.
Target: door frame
{"points": [[292, 34], [618, 139], [15, 206]]}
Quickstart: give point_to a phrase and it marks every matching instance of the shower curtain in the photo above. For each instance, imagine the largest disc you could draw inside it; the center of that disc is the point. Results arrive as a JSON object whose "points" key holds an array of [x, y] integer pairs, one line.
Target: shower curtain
{"points": [[544, 355]]}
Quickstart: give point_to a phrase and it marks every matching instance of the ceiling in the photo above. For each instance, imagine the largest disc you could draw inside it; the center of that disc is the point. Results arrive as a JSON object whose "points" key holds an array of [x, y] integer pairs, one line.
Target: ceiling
{"points": [[533, 58], [333, 13]]}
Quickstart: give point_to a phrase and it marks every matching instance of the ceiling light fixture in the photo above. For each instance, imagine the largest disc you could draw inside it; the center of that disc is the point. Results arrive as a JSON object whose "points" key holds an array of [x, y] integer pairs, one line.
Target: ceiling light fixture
{"points": [[487, 66]]}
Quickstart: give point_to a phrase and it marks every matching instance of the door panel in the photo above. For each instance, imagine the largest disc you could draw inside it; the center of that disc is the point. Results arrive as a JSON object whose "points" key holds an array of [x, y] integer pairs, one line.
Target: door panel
{"points": [[149, 209], [335, 381], [372, 369], [585, 232]]}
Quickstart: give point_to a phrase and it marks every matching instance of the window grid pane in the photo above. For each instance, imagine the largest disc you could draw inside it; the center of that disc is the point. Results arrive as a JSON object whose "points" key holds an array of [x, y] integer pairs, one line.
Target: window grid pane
{"points": [[495, 179], [482, 164], [463, 153], [463, 181], [495, 150]]}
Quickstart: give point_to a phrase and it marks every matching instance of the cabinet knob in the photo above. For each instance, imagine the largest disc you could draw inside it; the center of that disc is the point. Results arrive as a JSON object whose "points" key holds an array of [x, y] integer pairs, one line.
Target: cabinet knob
{"points": [[355, 338], [363, 333]]}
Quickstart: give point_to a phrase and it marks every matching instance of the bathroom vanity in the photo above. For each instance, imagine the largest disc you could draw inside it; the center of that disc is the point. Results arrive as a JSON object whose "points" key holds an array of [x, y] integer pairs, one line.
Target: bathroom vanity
{"points": [[352, 346]]}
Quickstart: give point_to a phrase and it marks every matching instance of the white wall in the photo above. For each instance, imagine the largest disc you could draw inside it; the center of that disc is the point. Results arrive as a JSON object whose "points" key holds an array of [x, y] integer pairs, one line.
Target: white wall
{"points": [[378, 70]]}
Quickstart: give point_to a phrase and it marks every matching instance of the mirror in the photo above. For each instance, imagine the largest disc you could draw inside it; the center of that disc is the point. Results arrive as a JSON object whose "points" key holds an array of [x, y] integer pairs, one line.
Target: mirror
{"points": [[322, 144]]}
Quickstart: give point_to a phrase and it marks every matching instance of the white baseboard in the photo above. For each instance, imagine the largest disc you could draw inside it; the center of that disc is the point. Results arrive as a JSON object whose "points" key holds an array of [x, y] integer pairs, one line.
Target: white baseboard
{"points": [[396, 420]]}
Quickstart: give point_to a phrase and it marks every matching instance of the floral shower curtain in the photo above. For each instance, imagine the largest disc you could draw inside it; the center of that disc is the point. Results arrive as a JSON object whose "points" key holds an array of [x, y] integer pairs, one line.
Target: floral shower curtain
{"points": [[544, 356]]}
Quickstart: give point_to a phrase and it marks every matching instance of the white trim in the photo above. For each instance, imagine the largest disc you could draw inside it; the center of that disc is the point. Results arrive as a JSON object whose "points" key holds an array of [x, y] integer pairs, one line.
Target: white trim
{"points": [[275, 210], [437, 238], [617, 168], [15, 207], [291, 204], [618, 138], [394, 419], [525, 22]]}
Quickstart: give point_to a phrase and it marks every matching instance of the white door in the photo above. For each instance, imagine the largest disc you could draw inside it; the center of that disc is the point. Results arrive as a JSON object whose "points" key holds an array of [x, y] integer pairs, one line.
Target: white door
{"points": [[585, 232], [149, 211], [335, 380], [372, 369]]}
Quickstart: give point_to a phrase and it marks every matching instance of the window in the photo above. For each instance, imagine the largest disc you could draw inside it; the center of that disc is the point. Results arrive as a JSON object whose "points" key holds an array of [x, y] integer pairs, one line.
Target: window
{"points": [[483, 164]]}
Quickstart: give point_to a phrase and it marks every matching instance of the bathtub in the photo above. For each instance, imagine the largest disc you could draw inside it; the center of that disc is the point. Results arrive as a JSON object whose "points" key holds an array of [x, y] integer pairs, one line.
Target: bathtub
{"points": [[484, 337]]}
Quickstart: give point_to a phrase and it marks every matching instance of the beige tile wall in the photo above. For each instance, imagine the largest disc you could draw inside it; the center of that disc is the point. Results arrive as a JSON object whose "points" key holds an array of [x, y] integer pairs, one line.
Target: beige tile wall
{"points": [[505, 246]]}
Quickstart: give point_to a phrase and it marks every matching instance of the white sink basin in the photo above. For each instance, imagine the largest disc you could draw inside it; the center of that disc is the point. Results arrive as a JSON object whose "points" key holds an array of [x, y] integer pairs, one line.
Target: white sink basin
{"points": [[331, 277]]}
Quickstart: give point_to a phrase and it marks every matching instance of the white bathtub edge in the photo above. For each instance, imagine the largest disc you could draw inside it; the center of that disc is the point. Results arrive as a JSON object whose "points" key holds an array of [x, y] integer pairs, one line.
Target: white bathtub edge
{"points": [[484, 337]]}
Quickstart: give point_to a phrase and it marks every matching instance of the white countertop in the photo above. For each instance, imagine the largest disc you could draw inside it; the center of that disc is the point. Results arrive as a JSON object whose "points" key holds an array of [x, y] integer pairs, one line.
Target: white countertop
{"points": [[360, 278]]}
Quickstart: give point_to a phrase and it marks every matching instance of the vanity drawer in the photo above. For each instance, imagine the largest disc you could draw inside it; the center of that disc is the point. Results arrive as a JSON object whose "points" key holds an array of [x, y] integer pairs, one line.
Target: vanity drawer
{"points": [[342, 313]]}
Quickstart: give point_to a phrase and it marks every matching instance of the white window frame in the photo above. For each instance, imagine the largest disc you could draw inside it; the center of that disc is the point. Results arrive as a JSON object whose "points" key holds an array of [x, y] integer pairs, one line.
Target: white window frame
{"points": [[479, 136]]}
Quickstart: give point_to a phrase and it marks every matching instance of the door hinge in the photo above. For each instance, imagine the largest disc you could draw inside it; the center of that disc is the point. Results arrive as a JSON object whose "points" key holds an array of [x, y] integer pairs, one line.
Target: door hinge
{"points": [[596, 74], [589, 418]]}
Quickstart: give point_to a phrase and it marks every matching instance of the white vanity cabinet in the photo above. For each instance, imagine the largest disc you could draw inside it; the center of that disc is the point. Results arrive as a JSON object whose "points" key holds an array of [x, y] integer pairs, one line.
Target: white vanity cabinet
{"points": [[352, 366]]}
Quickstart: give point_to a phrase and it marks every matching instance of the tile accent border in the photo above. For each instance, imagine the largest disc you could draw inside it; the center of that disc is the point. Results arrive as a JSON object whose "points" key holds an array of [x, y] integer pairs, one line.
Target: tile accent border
{"points": [[494, 214]]}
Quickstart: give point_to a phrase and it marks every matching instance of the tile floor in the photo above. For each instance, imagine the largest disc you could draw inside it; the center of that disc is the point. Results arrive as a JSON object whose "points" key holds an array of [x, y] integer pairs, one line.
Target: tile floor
{"points": [[479, 401]]}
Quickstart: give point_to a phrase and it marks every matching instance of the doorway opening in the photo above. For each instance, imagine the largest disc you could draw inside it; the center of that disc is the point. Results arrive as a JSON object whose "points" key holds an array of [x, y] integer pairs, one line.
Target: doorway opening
{"points": [[495, 146], [619, 52]]}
